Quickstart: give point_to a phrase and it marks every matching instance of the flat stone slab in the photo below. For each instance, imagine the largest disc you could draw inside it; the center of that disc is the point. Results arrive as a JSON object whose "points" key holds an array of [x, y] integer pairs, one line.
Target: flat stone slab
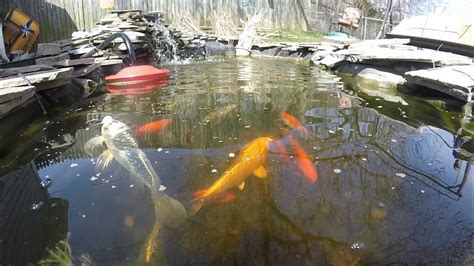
{"points": [[75, 62], [15, 92], [80, 72], [7, 72], [388, 43], [52, 59], [37, 77], [368, 54], [457, 81], [6, 107], [110, 62], [46, 49]]}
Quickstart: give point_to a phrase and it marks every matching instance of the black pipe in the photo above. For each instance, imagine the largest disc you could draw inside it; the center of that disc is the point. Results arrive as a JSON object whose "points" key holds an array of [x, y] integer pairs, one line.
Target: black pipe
{"points": [[126, 40]]}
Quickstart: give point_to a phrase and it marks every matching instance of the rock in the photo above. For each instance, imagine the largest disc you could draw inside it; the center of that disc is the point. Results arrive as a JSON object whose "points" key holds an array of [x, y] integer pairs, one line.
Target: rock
{"points": [[88, 86], [46, 49], [80, 72], [8, 72], [52, 59], [17, 96], [219, 49], [24, 56], [374, 73], [75, 62], [37, 77], [8, 94]]}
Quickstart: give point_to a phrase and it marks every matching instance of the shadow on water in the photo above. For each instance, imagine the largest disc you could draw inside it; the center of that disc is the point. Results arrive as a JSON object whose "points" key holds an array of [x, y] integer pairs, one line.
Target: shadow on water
{"points": [[389, 190]]}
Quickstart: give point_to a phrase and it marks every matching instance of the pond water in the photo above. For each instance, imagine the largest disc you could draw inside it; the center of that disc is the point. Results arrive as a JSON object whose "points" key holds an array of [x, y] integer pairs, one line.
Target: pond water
{"points": [[393, 184]]}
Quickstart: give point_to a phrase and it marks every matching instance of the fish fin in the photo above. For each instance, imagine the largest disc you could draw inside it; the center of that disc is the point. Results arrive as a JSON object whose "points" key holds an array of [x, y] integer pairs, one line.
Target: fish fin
{"points": [[169, 211], [227, 197], [93, 144], [156, 180], [241, 186], [150, 244], [104, 159], [260, 172], [198, 194], [196, 205]]}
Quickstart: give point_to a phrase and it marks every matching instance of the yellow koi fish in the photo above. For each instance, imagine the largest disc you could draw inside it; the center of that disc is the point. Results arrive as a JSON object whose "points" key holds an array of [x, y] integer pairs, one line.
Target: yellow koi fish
{"points": [[251, 160]]}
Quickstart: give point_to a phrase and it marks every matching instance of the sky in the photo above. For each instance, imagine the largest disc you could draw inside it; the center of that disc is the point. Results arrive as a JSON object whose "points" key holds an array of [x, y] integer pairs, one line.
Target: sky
{"points": [[458, 8]]}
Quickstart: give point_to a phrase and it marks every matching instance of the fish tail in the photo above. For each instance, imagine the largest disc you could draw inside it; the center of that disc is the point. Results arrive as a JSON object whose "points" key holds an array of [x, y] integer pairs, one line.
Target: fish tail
{"points": [[196, 205], [151, 244]]}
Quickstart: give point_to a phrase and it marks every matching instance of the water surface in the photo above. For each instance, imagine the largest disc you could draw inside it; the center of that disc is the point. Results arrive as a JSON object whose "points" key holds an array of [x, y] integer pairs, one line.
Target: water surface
{"points": [[394, 184]]}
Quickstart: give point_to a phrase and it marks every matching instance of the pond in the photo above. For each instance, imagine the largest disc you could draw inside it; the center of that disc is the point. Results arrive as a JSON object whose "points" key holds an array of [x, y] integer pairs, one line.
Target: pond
{"points": [[393, 183]]}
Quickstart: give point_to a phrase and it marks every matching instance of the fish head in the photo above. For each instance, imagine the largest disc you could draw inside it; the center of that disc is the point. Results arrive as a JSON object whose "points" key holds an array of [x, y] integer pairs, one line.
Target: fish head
{"points": [[107, 120], [112, 127]]}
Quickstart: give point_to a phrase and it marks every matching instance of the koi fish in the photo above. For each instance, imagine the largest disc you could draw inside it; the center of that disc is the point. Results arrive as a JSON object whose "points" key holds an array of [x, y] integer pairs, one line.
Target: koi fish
{"points": [[251, 160], [281, 148], [225, 197], [121, 145], [292, 122], [153, 127], [218, 114], [305, 165]]}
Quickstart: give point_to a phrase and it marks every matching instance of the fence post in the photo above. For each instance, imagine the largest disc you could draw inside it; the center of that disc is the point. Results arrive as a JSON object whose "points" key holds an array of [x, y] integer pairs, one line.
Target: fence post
{"points": [[364, 33]]}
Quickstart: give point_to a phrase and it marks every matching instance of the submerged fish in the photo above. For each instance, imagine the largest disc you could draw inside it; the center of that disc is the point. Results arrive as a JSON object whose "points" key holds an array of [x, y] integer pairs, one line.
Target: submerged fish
{"points": [[219, 113], [122, 146], [153, 127], [305, 165], [292, 122], [251, 160]]}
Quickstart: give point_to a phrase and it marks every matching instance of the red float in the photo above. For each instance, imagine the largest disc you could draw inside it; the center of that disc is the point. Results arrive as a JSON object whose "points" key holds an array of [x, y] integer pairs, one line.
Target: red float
{"points": [[137, 80]]}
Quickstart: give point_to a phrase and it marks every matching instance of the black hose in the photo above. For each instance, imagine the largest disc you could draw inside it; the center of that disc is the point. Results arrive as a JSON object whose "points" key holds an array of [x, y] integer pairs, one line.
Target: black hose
{"points": [[126, 40]]}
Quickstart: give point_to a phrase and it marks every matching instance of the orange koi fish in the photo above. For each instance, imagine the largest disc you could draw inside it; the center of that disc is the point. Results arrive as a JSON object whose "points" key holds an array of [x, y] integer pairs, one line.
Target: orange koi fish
{"points": [[292, 122], [225, 197], [251, 160], [153, 127], [282, 151], [305, 165]]}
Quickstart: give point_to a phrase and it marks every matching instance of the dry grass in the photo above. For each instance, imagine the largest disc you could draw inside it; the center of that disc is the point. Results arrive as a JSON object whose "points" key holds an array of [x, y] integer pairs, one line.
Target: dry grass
{"points": [[186, 23], [223, 24]]}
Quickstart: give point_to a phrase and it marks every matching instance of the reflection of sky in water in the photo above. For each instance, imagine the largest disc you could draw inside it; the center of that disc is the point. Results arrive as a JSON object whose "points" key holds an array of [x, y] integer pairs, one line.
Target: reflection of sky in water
{"points": [[384, 185]]}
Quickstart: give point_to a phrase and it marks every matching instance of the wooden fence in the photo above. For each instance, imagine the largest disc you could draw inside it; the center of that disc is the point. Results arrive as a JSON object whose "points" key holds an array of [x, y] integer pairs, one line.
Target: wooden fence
{"points": [[59, 18]]}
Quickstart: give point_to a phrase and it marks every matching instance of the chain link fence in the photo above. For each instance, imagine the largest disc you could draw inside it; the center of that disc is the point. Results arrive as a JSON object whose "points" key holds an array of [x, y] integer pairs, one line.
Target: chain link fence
{"points": [[325, 22]]}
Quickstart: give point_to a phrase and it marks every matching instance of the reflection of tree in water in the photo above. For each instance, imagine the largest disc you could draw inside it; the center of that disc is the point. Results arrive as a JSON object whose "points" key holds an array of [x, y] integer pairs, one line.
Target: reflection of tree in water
{"points": [[288, 220], [401, 219]]}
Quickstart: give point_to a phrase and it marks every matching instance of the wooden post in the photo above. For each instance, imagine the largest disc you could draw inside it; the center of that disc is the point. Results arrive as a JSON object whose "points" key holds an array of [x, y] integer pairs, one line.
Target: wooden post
{"points": [[303, 14], [364, 33]]}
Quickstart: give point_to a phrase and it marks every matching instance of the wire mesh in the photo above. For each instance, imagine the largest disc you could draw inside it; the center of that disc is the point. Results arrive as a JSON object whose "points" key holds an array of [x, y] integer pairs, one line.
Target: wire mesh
{"points": [[326, 22]]}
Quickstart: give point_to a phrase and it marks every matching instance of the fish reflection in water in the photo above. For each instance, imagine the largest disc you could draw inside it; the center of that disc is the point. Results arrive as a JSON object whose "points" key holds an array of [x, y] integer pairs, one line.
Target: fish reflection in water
{"points": [[153, 127], [219, 113], [251, 160], [303, 161], [121, 145]]}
